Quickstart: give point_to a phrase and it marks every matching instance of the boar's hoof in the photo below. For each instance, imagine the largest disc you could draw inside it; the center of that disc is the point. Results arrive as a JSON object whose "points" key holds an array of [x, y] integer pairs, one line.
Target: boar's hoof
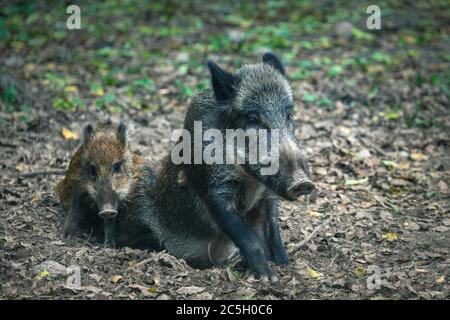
{"points": [[109, 244]]}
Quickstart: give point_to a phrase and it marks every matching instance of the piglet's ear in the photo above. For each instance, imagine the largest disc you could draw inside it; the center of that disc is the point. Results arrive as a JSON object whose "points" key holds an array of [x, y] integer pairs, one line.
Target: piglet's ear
{"points": [[87, 133], [122, 133], [223, 83], [274, 61]]}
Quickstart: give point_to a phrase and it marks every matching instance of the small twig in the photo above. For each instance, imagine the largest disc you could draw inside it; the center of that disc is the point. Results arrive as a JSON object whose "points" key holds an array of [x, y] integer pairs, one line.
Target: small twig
{"points": [[378, 149], [311, 235], [332, 260], [5, 186], [11, 192], [139, 264], [87, 242], [40, 173], [372, 145], [52, 210], [90, 235], [7, 145]]}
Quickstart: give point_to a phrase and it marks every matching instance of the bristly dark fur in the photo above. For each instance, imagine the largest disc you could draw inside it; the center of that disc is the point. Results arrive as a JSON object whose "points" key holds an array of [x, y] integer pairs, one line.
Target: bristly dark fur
{"points": [[102, 169], [204, 213]]}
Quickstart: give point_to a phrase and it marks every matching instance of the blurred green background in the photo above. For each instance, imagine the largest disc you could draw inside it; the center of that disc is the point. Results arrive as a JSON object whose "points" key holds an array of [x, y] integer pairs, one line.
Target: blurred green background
{"points": [[135, 54]]}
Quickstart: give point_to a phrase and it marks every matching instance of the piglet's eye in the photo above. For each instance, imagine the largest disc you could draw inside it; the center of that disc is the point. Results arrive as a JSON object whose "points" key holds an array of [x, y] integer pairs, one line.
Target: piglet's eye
{"points": [[117, 167]]}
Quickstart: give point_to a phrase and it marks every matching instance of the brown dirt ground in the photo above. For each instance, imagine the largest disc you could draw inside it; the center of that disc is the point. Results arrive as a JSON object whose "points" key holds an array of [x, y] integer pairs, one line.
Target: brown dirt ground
{"points": [[398, 219]]}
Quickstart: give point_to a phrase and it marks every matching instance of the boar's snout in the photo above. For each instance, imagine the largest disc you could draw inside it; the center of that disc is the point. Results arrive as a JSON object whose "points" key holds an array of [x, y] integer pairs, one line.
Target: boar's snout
{"points": [[295, 172], [298, 188]]}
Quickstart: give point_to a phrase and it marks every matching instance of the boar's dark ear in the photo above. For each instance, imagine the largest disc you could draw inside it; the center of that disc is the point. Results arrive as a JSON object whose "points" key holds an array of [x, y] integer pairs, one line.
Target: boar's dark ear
{"points": [[273, 60], [87, 133], [122, 133], [222, 81]]}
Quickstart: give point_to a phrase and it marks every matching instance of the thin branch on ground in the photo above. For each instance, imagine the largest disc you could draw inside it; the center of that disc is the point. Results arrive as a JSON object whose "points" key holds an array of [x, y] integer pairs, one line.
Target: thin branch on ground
{"points": [[311, 235], [41, 173]]}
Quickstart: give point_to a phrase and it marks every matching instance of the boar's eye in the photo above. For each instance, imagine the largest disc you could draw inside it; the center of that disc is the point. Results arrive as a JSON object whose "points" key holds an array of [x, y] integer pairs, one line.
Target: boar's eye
{"points": [[289, 116], [289, 113], [252, 118], [117, 167], [92, 170]]}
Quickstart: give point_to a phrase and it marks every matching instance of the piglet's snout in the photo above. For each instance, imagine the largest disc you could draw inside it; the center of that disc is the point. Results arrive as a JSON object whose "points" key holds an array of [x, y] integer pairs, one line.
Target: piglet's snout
{"points": [[107, 201], [108, 212]]}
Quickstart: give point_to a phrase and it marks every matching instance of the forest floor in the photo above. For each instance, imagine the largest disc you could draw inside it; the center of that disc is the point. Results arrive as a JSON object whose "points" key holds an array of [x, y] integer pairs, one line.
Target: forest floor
{"points": [[372, 112]]}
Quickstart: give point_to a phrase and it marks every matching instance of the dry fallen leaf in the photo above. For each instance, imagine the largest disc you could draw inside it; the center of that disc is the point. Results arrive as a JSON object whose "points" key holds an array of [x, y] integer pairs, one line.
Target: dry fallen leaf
{"points": [[29, 67], [417, 156], [69, 134], [115, 279], [315, 214], [353, 182], [71, 89], [314, 274], [20, 167], [368, 204], [359, 271], [441, 279], [385, 215], [143, 289], [36, 197], [409, 39], [442, 186], [390, 164], [344, 131], [157, 279], [42, 274], [440, 229], [390, 236], [98, 91], [411, 226], [58, 243], [190, 290], [152, 290], [403, 166]]}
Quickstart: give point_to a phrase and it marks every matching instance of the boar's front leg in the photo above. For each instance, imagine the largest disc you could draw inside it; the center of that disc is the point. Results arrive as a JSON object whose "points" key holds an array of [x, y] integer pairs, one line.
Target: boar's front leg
{"points": [[73, 218], [110, 232], [263, 219], [275, 243], [240, 232]]}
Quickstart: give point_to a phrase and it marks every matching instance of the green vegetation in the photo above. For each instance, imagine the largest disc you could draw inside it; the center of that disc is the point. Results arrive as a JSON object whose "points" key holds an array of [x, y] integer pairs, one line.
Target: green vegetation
{"points": [[122, 43]]}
